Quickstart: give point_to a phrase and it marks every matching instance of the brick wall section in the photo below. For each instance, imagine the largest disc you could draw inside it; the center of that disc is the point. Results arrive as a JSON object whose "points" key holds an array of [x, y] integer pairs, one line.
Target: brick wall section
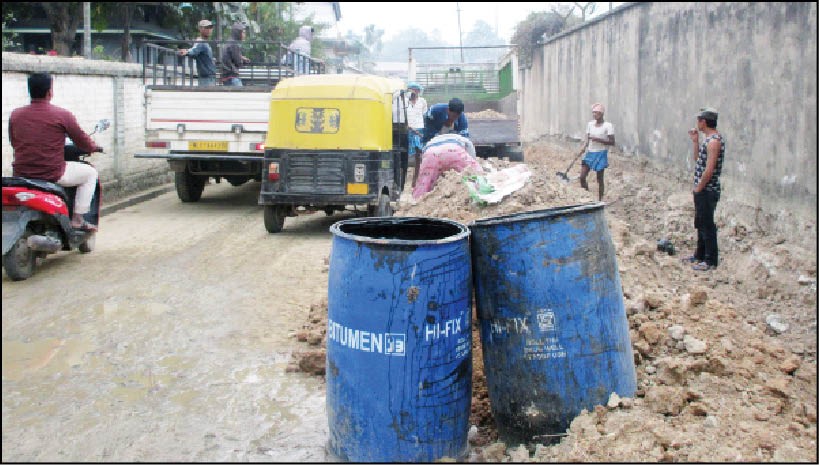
{"points": [[87, 89]]}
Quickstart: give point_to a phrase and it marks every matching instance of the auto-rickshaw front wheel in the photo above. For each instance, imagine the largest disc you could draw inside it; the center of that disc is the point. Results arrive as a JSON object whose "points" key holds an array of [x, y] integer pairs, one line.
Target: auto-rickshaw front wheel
{"points": [[274, 218]]}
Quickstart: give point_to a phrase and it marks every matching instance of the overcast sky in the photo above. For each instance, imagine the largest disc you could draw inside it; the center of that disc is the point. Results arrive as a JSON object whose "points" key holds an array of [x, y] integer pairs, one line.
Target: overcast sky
{"points": [[393, 17]]}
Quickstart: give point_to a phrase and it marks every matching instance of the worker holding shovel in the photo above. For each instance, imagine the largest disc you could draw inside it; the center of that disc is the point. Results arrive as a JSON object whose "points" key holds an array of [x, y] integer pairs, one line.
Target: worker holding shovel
{"points": [[599, 136]]}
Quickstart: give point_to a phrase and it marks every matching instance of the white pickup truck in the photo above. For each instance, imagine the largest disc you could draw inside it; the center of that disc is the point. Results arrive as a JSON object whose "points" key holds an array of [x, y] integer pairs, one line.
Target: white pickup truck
{"points": [[210, 132]]}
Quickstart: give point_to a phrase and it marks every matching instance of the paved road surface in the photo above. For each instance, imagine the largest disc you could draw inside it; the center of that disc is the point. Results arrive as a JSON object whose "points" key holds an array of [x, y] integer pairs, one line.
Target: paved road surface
{"points": [[170, 341]]}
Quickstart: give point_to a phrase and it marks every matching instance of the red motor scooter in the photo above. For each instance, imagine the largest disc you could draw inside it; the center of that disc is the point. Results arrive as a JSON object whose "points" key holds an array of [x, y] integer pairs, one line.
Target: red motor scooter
{"points": [[37, 217]]}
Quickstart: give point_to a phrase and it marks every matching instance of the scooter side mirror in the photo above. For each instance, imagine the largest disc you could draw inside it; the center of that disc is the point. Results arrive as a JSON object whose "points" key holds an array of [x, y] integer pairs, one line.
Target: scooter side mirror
{"points": [[102, 125]]}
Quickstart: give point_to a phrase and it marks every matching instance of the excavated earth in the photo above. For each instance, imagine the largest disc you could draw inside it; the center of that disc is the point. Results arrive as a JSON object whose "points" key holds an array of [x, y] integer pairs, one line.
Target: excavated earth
{"points": [[725, 359]]}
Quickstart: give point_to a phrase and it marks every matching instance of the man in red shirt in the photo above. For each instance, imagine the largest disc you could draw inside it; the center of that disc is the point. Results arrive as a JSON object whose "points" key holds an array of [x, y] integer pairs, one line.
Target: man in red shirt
{"points": [[37, 133]]}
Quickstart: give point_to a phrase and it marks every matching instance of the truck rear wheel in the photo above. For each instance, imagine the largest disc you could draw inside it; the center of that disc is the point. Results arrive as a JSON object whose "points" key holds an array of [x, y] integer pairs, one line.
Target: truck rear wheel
{"points": [[237, 181], [274, 218], [189, 187], [514, 154]]}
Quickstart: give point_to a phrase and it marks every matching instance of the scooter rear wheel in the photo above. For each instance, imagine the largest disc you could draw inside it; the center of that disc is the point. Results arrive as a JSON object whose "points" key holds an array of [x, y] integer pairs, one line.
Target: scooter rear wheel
{"points": [[19, 261]]}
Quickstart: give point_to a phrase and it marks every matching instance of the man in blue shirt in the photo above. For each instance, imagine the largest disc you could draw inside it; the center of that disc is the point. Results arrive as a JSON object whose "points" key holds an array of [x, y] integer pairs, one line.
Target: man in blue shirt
{"points": [[445, 116], [203, 54]]}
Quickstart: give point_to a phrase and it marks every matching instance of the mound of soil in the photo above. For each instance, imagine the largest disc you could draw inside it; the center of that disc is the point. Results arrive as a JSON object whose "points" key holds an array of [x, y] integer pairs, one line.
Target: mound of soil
{"points": [[726, 359], [485, 114], [450, 197]]}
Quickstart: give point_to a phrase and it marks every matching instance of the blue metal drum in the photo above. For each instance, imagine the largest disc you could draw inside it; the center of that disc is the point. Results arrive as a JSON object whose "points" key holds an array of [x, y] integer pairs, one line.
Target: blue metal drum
{"points": [[554, 332], [399, 340]]}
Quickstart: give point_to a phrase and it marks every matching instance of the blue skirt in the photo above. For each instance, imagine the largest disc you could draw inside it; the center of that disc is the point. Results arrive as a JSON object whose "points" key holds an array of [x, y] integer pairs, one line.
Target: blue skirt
{"points": [[597, 161]]}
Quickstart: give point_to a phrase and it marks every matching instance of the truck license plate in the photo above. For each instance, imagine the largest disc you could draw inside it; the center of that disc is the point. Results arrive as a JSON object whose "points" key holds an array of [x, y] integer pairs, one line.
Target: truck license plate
{"points": [[212, 145]]}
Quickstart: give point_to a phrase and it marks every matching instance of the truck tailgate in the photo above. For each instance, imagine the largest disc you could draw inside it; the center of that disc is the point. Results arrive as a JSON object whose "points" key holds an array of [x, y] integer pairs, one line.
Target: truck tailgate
{"points": [[493, 131], [215, 111]]}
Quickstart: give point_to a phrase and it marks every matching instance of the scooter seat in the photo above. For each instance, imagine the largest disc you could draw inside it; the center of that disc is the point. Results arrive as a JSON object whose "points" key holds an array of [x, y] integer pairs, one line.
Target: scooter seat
{"points": [[39, 184]]}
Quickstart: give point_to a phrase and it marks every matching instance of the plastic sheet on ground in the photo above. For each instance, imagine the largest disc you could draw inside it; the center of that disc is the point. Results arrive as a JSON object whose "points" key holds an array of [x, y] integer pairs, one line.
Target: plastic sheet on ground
{"points": [[494, 186]]}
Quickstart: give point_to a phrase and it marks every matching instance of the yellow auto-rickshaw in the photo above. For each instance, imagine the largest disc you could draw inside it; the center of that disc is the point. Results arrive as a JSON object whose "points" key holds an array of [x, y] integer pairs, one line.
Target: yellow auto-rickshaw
{"points": [[333, 140]]}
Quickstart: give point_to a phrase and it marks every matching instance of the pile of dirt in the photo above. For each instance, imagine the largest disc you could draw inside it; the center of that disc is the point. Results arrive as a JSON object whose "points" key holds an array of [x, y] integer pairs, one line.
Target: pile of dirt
{"points": [[314, 334], [450, 197], [725, 359], [485, 114]]}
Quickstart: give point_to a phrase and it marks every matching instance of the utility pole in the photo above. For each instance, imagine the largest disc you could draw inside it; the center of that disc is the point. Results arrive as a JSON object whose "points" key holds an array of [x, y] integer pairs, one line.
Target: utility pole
{"points": [[218, 8], [86, 31], [496, 20], [460, 35]]}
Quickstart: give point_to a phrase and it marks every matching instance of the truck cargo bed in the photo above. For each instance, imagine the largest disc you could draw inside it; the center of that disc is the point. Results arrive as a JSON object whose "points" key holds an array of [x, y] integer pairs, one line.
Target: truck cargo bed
{"points": [[493, 131], [207, 109]]}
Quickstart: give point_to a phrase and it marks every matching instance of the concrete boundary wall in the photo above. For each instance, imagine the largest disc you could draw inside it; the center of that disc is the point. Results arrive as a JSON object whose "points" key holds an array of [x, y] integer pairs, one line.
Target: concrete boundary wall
{"points": [[91, 90], [655, 64]]}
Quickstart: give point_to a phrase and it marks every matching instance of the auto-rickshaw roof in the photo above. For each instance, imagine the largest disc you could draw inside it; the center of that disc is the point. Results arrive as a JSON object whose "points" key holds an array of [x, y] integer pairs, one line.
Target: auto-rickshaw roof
{"points": [[337, 86]]}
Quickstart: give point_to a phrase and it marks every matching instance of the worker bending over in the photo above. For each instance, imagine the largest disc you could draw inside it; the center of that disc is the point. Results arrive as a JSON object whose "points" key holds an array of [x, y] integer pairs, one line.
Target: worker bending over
{"points": [[443, 153]]}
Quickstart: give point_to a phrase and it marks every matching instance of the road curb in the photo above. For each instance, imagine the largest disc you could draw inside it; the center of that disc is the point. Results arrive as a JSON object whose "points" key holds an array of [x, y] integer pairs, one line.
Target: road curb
{"points": [[133, 200]]}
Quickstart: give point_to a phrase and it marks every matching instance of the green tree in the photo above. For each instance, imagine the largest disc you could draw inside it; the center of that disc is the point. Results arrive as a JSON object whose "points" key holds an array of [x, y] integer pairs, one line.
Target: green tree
{"points": [[530, 32], [482, 34], [274, 22], [64, 18], [372, 45], [397, 48], [183, 21], [586, 9], [9, 38]]}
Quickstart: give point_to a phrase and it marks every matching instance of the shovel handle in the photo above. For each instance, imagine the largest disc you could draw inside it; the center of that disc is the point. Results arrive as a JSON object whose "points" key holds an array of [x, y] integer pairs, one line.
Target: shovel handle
{"points": [[573, 162]]}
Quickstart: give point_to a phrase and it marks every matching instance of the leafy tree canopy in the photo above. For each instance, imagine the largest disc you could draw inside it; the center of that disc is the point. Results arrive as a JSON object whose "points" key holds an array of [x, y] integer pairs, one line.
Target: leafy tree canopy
{"points": [[267, 21], [531, 31]]}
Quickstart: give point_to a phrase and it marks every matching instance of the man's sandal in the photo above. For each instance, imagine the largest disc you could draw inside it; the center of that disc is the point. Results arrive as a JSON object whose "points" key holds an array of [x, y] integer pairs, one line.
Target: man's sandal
{"points": [[702, 266], [85, 226], [690, 259]]}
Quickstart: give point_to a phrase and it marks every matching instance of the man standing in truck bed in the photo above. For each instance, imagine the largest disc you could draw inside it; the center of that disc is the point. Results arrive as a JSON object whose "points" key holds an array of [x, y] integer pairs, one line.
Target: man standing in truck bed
{"points": [[232, 58], [203, 54]]}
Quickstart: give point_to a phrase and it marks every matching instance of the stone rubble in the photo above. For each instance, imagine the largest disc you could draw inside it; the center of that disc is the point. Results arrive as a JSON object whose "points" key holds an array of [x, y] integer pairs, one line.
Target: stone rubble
{"points": [[726, 359]]}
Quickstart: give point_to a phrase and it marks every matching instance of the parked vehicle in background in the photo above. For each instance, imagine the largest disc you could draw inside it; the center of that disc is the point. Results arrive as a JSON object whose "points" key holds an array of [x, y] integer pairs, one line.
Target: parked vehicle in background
{"points": [[488, 89], [212, 132], [333, 141]]}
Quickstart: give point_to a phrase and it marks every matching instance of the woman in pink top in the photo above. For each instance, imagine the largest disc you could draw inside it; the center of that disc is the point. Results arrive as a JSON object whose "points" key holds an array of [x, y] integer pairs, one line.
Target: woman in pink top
{"points": [[443, 153]]}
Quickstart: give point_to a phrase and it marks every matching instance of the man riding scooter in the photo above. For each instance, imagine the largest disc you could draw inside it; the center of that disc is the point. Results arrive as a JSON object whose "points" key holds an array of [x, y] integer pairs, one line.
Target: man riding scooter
{"points": [[37, 133]]}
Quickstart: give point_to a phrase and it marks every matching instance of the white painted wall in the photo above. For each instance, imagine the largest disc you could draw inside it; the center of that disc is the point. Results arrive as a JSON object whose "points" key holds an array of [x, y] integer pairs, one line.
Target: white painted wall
{"points": [[91, 90]]}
